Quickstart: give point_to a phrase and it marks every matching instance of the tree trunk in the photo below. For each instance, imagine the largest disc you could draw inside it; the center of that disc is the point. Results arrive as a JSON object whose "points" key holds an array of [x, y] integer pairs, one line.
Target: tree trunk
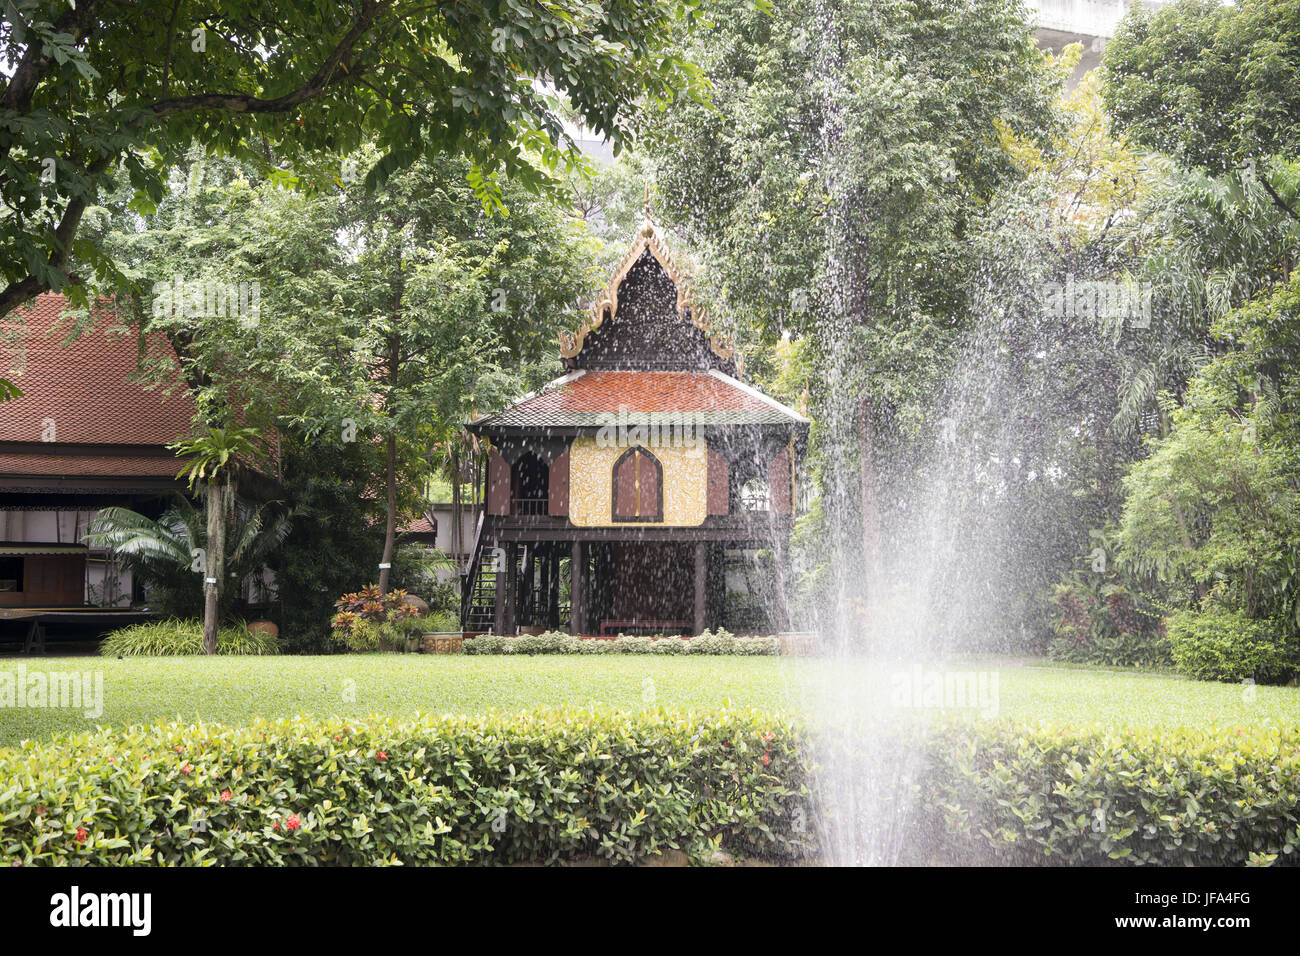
{"points": [[390, 470], [870, 500], [216, 493], [390, 524], [456, 545]]}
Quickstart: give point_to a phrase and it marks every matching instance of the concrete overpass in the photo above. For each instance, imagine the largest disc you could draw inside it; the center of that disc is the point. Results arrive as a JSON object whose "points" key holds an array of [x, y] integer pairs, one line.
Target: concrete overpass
{"points": [[1090, 22]]}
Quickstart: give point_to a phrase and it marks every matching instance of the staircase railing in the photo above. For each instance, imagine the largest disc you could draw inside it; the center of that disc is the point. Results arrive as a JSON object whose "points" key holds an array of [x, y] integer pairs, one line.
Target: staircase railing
{"points": [[470, 575]]}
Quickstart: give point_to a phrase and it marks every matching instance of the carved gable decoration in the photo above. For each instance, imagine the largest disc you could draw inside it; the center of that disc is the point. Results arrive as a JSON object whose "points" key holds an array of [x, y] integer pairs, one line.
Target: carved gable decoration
{"points": [[645, 319]]}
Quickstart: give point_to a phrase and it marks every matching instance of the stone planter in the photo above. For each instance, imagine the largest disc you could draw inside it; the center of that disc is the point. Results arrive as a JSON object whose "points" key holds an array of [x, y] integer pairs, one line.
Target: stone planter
{"points": [[441, 643], [798, 644]]}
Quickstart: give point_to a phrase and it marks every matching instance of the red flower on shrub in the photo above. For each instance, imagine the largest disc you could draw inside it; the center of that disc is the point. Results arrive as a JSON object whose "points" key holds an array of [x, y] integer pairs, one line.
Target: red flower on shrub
{"points": [[276, 826], [767, 759], [186, 769], [380, 755], [293, 822], [82, 833], [225, 796], [769, 736], [179, 748]]}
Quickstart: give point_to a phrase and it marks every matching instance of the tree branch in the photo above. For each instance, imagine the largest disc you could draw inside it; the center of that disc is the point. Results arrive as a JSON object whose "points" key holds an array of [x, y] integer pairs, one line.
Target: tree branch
{"points": [[1277, 200], [19, 292], [325, 76]]}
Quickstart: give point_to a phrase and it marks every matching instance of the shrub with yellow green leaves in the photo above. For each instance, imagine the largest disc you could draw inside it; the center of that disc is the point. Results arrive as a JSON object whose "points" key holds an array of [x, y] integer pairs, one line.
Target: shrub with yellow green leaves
{"points": [[1096, 796]]}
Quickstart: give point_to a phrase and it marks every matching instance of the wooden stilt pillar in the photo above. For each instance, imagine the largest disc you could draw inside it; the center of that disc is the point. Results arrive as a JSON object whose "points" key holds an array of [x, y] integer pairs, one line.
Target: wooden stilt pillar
{"points": [[553, 604], [701, 575], [576, 582], [512, 588], [781, 573]]}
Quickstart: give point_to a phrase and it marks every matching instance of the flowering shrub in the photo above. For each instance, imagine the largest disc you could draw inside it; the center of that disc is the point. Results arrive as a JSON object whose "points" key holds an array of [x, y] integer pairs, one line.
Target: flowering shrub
{"points": [[623, 788], [556, 642], [369, 620], [449, 790]]}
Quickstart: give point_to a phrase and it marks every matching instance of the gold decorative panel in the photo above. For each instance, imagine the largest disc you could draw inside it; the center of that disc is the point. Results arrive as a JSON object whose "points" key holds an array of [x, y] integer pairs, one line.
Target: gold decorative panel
{"points": [[591, 484]]}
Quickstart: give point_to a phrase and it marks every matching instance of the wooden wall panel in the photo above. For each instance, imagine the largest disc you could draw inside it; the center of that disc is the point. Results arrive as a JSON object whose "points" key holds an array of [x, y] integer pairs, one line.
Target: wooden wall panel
{"points": [[558, 489], [719, 484], [498, 482], [778, 483]]}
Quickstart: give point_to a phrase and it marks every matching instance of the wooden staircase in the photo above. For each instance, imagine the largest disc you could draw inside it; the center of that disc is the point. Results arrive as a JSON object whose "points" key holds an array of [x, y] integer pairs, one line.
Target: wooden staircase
{"points": [[478, 584]]}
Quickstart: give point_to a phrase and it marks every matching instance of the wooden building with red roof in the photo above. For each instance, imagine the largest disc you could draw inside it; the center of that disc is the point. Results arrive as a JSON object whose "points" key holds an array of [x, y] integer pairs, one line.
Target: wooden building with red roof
{"points": [[615, 494], [88, 432]]}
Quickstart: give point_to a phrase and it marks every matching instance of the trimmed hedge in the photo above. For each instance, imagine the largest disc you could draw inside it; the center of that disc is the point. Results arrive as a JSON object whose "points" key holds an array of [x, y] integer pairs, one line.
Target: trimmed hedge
{"points": [[556, 642], [1096, 796], [175, 637], [451, 790], [1228, 646], [624, 788]]}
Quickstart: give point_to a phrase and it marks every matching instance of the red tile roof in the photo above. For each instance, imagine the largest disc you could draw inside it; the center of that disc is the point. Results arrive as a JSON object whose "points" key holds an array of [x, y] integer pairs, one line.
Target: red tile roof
{"points": [[645, 392], [89, 389], [420, 526], [577, 399], [133, 466]]}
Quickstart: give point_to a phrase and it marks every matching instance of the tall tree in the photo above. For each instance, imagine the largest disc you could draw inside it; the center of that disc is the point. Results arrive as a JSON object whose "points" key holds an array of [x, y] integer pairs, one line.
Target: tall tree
{"points": [[385, 316], [833, 187], [1214, 85], [213, 461]]}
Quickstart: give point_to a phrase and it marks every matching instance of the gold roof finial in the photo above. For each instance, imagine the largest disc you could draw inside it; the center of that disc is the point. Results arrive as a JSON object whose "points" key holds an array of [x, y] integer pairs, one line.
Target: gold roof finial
{"points": [[647, 227]]}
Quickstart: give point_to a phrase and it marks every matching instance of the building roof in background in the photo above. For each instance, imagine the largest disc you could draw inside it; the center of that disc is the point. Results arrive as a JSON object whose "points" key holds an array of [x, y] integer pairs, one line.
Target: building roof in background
{"points": [[87, 391], [587, 399]]}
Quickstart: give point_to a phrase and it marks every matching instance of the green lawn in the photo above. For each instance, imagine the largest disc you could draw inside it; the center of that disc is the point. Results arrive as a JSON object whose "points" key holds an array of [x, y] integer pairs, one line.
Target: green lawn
{"points": [[234, 689]]}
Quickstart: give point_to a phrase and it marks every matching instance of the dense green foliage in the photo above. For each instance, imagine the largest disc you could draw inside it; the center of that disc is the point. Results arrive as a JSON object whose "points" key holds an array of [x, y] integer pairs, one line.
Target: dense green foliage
{"points": [[832, 189], [1213, 515], [93, 86], [451, 790], [175, 636], [1212, 84], [616, 788], [334, 542], [1093, 796], [162, 552], [554, 642], [1229, 646], [1100, 620]]}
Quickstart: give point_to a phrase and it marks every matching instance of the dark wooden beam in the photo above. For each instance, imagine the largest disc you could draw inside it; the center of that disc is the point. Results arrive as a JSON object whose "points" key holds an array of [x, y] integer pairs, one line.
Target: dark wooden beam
{"points": [[701, 575], [512, 588], [575, 587]]}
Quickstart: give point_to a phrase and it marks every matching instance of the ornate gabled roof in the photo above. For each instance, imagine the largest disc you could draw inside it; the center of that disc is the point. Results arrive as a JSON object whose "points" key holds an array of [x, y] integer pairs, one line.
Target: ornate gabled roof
{"points": [[648, 247]]}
